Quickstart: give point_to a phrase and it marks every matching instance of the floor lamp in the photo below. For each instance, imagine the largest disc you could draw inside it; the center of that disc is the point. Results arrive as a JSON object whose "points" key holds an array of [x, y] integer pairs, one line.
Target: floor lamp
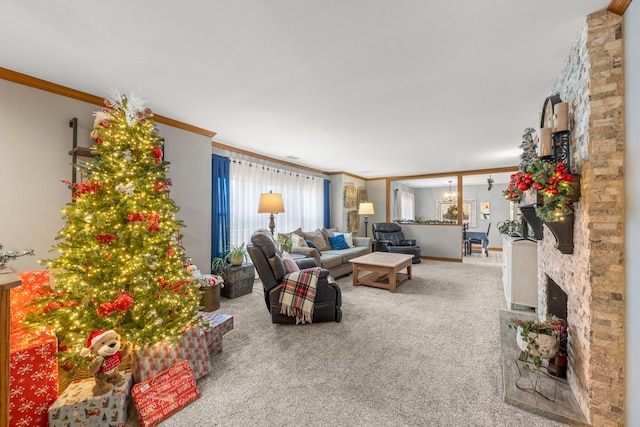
{"points": [[271, 203], [366, 209]]}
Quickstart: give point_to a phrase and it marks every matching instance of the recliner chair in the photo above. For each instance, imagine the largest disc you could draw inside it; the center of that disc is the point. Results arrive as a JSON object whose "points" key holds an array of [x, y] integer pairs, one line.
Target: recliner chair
{"points": [[390, 238], [266, 259]]}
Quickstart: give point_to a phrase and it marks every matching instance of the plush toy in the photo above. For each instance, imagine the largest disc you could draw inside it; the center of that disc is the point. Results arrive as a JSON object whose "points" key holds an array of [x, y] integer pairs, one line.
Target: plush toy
{"points": [[108, 354]]}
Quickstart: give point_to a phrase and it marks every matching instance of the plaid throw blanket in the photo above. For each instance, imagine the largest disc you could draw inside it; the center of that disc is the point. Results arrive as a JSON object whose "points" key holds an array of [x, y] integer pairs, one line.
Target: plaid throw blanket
{"points": [[298, 294]]}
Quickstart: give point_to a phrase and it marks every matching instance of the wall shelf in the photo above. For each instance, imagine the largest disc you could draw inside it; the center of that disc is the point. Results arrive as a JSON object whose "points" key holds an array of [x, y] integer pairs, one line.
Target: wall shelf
{"points": [[529, 214], [563, 232]]}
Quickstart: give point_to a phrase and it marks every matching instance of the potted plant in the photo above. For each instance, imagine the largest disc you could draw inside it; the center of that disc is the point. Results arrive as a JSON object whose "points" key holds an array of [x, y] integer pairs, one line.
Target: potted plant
{"points": [[537, 340], [553, 184], [235, 256], [510, 228], [285, 243]]}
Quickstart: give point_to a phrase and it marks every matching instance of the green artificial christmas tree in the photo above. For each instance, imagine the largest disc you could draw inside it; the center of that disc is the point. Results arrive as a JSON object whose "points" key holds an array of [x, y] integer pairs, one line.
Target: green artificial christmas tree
{"points": [[120, 265], [529, 149]]}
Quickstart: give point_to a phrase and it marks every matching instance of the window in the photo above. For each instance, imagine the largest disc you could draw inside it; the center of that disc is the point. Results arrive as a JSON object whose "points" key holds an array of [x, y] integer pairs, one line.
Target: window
{"points": [[303, 198]]}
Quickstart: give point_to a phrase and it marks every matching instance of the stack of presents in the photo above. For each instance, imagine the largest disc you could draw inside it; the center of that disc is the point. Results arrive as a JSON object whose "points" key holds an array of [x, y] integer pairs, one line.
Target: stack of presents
{"points": [[34, 398]]}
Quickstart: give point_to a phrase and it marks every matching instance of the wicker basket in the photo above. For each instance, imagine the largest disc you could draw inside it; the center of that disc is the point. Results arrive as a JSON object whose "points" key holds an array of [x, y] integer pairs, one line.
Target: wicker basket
{"points": [[238, 280]]}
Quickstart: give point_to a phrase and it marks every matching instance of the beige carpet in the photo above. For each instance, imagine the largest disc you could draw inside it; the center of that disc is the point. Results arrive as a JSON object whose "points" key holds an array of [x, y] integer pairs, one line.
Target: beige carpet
{"points": [[428, 355], [494, 257]]}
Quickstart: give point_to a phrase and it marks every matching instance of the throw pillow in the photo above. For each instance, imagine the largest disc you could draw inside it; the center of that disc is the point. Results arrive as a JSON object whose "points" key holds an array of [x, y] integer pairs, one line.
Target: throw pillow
{"points": [[297, 241], [317, 238], [292, 233], [289, 264], [348, 237], [313, 245], [338, 242], [326, 233]]}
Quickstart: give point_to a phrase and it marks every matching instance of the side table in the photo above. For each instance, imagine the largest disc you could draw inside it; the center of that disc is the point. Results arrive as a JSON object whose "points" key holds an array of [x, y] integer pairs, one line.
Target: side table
{"points": [[238, 280]]}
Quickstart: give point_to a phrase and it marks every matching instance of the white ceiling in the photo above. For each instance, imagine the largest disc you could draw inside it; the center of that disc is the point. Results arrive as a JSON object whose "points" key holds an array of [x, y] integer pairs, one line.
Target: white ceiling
{"points": [[371, 87]]}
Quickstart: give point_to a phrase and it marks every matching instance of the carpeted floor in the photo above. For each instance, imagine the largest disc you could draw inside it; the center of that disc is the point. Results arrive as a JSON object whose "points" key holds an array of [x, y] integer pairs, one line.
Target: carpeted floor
{"points": [[428, 355], [493, 257]]}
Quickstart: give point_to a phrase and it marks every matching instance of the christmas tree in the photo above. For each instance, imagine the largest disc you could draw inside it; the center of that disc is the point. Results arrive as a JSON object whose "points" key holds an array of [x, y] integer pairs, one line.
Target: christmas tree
{"points": [[529, 149], [120, 265]]}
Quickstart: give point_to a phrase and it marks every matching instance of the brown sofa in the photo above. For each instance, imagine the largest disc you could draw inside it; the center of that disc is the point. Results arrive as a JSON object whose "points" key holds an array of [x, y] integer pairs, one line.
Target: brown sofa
{"points": [[334, 260]]}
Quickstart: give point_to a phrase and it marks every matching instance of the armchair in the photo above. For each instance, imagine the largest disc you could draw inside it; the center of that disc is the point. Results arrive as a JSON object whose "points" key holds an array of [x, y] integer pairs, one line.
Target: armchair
{"points": [[390, 238], [271, 269]]}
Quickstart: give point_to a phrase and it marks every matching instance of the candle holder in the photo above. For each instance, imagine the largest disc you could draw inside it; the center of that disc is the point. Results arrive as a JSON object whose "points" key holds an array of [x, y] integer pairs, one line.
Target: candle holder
{"points": [[561, 148]]}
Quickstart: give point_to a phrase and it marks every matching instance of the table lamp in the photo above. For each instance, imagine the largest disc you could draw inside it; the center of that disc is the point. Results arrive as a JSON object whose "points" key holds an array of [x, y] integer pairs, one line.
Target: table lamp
{"points": [[271, 203], [366, 209]]}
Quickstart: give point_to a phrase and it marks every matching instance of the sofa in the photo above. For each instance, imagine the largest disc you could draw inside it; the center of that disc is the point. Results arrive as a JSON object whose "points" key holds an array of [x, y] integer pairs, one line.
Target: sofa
{"points": [[317, 244]]}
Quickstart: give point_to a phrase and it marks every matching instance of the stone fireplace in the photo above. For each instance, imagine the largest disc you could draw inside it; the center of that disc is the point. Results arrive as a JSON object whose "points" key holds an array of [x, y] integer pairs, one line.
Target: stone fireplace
{"points": [[556, 300], [592, 278]]}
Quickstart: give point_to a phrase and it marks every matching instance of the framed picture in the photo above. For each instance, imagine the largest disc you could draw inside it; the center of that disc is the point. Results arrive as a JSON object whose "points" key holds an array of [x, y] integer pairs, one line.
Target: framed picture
{"points": [[485, 210], [448, 211]]}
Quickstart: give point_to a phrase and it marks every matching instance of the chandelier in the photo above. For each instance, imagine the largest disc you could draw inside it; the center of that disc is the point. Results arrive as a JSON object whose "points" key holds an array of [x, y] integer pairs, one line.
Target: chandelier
{"points": [[450, 196]]}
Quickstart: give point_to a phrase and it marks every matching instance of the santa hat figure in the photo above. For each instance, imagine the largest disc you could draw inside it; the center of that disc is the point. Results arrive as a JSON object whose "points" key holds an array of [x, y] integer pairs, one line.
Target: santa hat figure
{"points": [[94, 337]]}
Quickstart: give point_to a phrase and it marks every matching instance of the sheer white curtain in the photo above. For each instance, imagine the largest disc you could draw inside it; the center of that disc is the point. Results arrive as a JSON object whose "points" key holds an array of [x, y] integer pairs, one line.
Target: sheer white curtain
{"points": [[303, 198], [405, 205]]}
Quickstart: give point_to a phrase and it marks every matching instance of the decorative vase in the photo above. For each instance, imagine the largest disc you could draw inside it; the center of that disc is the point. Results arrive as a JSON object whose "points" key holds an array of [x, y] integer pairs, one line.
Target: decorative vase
{"points": [[210, 300], [547, 344]]}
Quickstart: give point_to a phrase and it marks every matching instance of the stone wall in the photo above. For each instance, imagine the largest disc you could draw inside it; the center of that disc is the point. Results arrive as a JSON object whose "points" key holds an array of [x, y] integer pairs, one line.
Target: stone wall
{"points": [[593, 276]]}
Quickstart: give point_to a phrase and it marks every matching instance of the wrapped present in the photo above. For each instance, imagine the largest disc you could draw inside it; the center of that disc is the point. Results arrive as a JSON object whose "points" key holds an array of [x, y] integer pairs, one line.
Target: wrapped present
{"points": [[32, 284], [33, 365], [165, 394], [33, 380], [149, 361], [219, 324], [77, 406]]}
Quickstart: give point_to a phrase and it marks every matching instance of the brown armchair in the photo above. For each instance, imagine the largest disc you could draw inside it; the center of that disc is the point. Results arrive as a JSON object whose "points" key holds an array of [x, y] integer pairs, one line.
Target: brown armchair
{"points": [[271, 269], [390, 238]]}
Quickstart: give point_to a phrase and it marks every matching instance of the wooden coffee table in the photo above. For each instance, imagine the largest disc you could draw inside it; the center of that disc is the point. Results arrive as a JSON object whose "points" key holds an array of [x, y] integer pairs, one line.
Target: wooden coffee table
{"points": [[384, 269]]}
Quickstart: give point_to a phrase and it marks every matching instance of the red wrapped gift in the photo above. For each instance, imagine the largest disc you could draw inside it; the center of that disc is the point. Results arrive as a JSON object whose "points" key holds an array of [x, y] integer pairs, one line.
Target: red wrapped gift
{"points": [[32, 284], [148, 361], [33, 382], [165, 394], [33, 365]]}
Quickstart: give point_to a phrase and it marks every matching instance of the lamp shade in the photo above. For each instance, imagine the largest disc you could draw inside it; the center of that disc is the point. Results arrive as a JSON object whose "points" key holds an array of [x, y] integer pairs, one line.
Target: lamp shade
{"points": [[271, 203], [366, 209]]}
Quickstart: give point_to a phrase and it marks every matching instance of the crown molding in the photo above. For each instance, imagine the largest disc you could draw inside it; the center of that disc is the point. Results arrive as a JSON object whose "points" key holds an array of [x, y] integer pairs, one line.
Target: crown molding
{"points": [[221, 146], [618, 6], [34, 82]]}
